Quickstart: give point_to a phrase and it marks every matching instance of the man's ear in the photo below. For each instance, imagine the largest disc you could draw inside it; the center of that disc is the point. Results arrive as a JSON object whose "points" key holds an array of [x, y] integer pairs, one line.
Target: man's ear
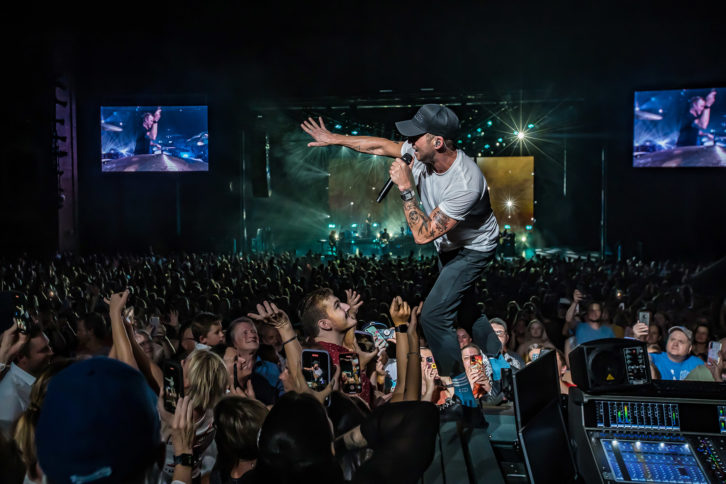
{"points": [[324, 324]]}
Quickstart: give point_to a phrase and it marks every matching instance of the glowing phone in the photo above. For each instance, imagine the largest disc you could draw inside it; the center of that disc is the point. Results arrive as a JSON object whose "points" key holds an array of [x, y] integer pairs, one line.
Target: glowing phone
{"points": [[173, 384], [477, 362], [316, 368], [714, 351], [644, 317], [350, 381]]}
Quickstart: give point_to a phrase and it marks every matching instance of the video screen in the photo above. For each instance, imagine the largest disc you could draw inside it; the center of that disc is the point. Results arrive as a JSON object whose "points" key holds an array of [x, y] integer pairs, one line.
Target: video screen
{"points": [[154, 139], [679, 128]]}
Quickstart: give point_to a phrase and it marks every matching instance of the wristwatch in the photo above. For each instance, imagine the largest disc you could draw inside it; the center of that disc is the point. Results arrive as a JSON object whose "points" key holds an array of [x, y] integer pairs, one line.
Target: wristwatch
{"points": [[401, 328], [186, 460], [407, 195]]}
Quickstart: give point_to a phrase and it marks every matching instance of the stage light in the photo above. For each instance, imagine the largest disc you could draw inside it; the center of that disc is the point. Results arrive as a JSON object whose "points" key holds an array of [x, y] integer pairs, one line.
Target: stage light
{"points": [[489, 123], [530, 126], [524, 238], [500, 139], [354, 225], [486, 146], [478, 130], [507, 227], [375, 225], [338, 126], [352, 203], [468, 135], [520, 135], [458, 141], [528, 227], [510, 203], [354, 133], [331, 226]]}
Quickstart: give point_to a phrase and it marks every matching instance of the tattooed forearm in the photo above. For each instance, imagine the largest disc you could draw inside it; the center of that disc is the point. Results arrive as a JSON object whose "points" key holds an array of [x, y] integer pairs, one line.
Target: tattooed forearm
{"points": [[426, 228], [441, 220]]}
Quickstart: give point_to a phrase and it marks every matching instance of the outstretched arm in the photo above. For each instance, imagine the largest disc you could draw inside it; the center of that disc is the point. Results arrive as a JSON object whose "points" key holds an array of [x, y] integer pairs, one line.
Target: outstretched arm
{"points": [[364, 144]]}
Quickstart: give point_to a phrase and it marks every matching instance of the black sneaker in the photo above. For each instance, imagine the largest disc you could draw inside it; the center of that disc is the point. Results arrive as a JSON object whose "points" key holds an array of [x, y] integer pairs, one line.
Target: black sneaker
{"points": [[451, 411]]}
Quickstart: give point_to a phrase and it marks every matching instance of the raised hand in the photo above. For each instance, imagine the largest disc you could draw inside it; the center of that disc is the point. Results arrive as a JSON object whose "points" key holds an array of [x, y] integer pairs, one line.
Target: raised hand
{"points": [[354, 301], [400, 311], [117, 301], [318, 131], [271, 315], [10, 343], [415, 315]]}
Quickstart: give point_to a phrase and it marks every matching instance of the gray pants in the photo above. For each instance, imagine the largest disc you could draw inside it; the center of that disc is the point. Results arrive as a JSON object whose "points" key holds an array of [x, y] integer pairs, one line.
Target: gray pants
{"points": [[452, 298]]}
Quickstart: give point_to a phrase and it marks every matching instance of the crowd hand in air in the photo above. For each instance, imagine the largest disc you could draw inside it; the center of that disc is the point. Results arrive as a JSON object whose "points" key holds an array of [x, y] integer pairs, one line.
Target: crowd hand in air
{"points": [[640, 331], [318, 131], [11, 342], [353, 300], [400, 311], [269, 314]]}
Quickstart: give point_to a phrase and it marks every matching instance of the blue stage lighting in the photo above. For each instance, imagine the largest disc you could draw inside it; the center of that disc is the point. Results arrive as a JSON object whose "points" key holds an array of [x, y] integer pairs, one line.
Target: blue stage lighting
{"points": [[528, 227], [530, 126], [500, 139], [338, 126], [507, 227], [489, 123], [354, 133], [331, 226], [486, 146]]}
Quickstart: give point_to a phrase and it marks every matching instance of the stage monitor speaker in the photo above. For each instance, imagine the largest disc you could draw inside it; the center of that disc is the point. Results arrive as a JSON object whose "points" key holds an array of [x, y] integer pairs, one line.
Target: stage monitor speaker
{"points": [[608, 365]]}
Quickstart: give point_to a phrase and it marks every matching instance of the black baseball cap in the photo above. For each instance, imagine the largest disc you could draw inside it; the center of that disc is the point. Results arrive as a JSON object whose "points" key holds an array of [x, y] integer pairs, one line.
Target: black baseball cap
{"points": [[436, 119]]}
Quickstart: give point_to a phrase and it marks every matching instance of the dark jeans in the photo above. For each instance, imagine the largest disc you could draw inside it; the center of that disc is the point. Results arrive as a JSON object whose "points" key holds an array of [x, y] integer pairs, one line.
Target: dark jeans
{"points": [[452, 298]]}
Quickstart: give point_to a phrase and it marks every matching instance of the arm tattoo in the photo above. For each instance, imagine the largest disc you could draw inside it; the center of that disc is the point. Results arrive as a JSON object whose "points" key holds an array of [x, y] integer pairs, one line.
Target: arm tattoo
{"points": [[417, 219]]}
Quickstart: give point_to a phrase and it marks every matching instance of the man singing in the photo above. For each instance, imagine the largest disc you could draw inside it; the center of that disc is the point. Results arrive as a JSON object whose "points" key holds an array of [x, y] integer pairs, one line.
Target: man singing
{"points": [[695, 121], [147, 133], [445, 200]]}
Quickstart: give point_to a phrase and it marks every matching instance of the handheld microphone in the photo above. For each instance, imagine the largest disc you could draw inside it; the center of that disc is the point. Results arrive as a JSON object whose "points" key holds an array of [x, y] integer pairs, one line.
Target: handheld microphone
{"points": [[382, 194]]}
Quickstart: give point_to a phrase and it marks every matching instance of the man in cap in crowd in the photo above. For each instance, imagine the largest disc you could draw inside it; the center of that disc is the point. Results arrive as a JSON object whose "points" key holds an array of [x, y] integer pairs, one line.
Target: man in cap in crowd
{"points": [[445, 201], [677, 361]]}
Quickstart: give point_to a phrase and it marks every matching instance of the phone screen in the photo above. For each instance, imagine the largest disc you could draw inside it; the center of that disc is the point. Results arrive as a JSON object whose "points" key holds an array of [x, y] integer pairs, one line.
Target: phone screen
{"points": [[316, 369], [477, 362], [350, 373], [173, 384], [365, 341], [714, 351], [644, 317]]}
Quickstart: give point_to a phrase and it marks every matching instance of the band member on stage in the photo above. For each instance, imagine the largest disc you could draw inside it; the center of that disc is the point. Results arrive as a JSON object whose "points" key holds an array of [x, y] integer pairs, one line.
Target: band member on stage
{"points": [[146, 136], [333, 242], [695, 121], [445, 201], [385, 238]]}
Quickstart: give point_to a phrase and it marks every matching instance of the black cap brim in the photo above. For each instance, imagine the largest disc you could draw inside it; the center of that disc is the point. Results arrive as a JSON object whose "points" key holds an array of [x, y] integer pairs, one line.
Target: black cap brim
{"points": [[409, 128]]}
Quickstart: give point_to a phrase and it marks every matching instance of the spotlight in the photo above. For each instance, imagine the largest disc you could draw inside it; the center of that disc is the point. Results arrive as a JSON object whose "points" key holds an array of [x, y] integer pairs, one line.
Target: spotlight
{"points": [[510, 204], [520, 135], [354, 133], [530, 126], [489, 123], [524, 238], [500, 139]]}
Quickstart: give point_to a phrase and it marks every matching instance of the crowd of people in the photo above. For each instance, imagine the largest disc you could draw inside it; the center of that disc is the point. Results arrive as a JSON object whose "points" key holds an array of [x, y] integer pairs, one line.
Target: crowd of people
{"points": [[83, 364]]}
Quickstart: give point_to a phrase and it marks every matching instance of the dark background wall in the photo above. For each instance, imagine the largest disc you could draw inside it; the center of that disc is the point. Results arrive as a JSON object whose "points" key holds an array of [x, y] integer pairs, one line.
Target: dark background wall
{"points": [[236, 57]]}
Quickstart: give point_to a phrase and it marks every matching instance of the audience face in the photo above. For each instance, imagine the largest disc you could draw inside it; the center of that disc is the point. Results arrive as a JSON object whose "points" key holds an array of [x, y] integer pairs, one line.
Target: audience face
{"points": [[145, 343], [187, 340], [463, 337], [701, 335], [653, 335], [38, 357], [246, 337], [502, 334], [427, 355], [84, 336], [536, 330], [214, 336], [271, 337], [594, 313], [466, 355], [338, 315], [678, 346]]}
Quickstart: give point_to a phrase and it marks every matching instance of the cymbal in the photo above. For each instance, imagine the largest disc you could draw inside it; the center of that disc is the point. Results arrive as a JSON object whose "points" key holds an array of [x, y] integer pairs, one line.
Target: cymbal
{"points": [[111, 127], [647, 115]]}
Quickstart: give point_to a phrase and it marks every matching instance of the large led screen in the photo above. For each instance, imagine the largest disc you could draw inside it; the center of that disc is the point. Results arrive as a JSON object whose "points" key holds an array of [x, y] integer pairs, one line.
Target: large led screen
{"points": [[154, 139]]}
